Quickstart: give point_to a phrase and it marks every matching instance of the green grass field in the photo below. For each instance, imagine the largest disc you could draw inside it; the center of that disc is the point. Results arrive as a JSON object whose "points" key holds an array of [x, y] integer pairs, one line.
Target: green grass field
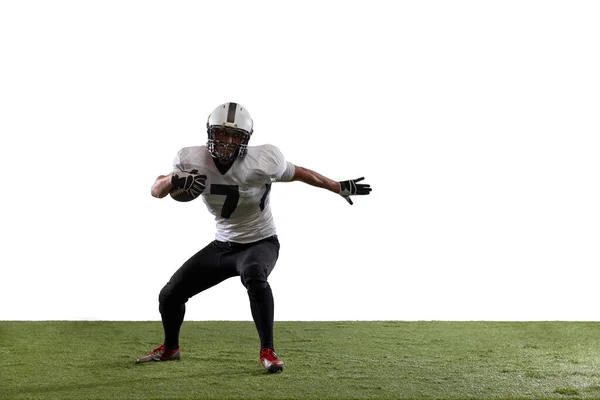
{"points": [[324, 360]]}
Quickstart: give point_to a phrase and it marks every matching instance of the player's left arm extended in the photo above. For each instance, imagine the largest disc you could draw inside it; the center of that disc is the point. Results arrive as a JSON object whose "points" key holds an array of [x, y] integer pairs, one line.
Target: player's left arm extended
{"points": [[343, 188]]}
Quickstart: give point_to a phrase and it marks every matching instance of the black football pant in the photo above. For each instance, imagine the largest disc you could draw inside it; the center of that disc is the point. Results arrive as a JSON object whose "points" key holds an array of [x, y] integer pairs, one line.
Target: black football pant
{"points": [[252, 262]]}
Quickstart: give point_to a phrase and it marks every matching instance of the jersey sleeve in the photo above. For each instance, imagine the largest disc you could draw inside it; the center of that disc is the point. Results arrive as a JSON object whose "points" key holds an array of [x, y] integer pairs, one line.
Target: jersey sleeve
{"points": [[177, 161], [274, 166], [188, 159]]}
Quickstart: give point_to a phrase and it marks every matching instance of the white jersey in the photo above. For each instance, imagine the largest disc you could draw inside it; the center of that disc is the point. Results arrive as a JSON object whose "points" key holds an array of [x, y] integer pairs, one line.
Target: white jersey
{"points": [[239, 198]]}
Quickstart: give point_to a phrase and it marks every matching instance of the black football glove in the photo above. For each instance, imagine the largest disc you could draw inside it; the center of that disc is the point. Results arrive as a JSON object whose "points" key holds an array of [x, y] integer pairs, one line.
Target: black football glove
{"points": [[191, 182], [351, 188]]}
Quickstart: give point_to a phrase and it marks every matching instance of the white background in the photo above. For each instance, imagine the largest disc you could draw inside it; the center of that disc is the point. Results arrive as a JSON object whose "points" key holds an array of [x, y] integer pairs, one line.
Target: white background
{"points": [[475, 122]]}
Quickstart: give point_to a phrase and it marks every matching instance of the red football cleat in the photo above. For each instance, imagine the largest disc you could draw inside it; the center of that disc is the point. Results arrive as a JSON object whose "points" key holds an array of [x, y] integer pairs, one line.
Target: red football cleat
{"points": [[270, 361], [160, 354]]}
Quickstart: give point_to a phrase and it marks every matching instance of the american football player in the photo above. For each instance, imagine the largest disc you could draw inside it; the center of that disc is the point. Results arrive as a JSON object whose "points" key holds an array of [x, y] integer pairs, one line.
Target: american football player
{"points": [[234, 181]]}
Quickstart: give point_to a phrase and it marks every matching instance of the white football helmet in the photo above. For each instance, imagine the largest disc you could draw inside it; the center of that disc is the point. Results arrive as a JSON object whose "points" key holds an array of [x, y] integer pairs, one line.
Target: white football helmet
{"points": [[232, 119]]}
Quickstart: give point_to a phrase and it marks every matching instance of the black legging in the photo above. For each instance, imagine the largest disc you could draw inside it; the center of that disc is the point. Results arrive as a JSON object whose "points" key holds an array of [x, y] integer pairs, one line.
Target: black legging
{"points": [[218, 261]]}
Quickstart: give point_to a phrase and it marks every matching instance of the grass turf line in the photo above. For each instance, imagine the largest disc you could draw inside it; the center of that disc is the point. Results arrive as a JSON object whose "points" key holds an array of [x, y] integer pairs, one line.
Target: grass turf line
{"points": [[324, 360]]}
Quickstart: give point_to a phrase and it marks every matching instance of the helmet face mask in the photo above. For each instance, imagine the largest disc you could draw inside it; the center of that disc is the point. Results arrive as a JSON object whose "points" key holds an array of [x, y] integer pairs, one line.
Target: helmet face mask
{"points": [[229, 128], [227, 143]]}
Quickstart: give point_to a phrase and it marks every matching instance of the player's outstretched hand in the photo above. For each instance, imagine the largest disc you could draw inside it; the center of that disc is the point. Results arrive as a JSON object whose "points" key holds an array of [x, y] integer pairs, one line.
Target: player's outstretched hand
{"points": [[191, 182], [352, 188]]}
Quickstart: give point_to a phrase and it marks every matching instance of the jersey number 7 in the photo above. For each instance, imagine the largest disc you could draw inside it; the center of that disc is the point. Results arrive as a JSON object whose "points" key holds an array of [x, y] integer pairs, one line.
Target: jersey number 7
{"points": [[232, 195]]}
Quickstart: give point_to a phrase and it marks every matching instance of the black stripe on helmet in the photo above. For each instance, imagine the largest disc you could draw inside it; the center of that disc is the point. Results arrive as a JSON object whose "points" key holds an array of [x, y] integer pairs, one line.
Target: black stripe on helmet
{"points": [[231, 112]]}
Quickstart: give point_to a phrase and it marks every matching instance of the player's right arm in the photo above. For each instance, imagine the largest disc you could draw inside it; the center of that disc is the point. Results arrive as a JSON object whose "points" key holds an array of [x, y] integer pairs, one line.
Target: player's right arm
{"points": [[162, 186]]}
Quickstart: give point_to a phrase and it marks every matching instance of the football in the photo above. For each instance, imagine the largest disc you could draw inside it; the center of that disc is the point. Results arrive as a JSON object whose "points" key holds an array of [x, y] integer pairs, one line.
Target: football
{"points": [[181, 195], [187, 185]]}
